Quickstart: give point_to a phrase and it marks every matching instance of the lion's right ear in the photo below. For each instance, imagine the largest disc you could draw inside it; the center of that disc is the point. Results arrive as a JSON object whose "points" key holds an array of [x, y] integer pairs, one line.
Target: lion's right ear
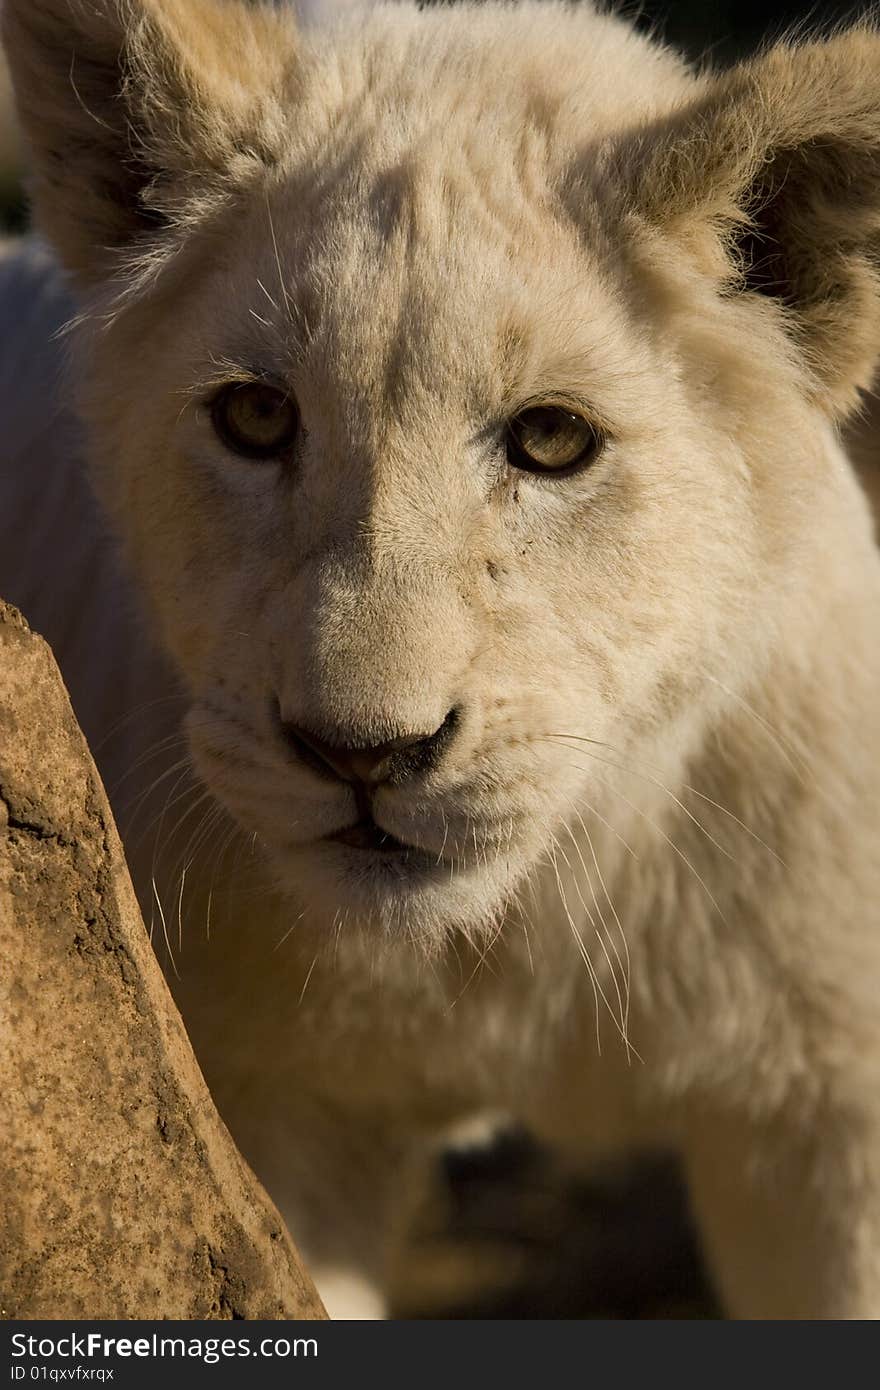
{"points": [[139, 113]]}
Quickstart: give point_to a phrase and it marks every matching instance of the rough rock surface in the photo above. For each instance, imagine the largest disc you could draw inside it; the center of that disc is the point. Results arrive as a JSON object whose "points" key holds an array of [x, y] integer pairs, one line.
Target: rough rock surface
{"points": [[121, 1192]]}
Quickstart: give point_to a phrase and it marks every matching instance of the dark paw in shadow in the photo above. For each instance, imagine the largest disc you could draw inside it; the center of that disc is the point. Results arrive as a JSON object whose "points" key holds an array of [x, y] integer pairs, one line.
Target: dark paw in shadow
{"points": [[507, 1231]]}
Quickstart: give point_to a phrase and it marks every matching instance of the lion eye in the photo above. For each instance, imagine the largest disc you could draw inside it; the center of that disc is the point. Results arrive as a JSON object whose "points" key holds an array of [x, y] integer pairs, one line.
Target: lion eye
{"points": [[549, 439], [255, 420]]}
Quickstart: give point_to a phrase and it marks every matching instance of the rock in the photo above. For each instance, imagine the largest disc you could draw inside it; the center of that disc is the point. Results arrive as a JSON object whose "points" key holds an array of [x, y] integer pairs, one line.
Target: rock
{"points": [[123, 1195]]}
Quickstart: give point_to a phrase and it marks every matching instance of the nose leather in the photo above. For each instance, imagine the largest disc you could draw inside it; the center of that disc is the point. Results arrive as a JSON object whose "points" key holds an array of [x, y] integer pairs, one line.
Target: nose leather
{"points": [[370, 766]]}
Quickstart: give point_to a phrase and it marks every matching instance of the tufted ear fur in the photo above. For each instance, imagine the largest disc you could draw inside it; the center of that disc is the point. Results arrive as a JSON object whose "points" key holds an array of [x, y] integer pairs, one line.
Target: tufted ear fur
{"points": [[781, 156], [139, 111]]}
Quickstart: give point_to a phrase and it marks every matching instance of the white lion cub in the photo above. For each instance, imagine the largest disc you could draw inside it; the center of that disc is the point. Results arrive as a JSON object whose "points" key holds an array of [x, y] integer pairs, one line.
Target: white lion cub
{"points": [[463, 387]]}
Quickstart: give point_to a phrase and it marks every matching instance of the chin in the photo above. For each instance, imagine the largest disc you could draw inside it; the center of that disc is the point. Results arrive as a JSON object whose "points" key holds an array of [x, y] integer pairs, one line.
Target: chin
{"points": [[403, 895]]}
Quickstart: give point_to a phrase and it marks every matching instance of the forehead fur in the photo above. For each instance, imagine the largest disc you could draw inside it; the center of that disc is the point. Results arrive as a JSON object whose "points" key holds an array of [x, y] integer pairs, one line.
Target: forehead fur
{"points": [[416, 198], [402, 134], [480, 79]]}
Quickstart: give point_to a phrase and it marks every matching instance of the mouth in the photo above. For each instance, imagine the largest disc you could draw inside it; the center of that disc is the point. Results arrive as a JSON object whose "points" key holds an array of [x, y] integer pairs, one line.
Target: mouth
{"points": [[365, 834], [364, 876]]}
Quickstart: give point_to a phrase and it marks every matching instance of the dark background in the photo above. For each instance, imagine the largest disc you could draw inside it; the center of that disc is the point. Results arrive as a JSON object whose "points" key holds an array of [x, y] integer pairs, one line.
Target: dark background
{"points": [[725, 29]]}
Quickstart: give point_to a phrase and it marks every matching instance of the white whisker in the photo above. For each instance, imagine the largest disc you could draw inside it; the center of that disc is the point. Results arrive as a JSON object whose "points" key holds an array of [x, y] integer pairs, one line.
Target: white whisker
{"points": [[306, 981], [164, 928], [289, 932]]}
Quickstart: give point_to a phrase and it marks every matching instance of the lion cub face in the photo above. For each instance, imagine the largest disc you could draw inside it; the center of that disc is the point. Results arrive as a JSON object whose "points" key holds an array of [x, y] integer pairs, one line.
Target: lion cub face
{"points": [[413, 532], [440, 450]]}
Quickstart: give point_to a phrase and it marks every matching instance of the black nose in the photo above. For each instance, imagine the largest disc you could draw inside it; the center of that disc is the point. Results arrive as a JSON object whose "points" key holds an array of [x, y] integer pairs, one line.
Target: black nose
{"points": [[393, 761]]}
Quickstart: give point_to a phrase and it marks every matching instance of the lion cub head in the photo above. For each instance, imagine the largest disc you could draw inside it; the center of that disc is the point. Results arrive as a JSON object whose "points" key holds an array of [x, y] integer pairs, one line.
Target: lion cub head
{"points": [[462, 384]]}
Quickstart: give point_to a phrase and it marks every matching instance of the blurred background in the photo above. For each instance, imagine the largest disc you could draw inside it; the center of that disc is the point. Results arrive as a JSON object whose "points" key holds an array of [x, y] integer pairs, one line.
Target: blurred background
{"points": [[724, 30], [11, 201]]}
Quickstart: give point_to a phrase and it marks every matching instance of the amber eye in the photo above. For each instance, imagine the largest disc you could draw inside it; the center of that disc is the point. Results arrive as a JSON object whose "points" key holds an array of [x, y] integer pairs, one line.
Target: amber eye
{"points": [[550, 439], [255, 420]]}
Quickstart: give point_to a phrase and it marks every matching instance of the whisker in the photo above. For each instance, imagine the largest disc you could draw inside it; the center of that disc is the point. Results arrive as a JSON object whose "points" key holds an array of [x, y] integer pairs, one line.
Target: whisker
{"points": [[180, 910], [620, 1023], [164, 746], [786, 746], [623, 1003], [490, 944], [586, 806], [306, 981], [173, 799], [742, 825], [615, 791], [626, 965], [289, 932], [632, 772], [284, 294], [275, 305], [165, 929], [445, 838], [584, 953], [135, 713], [694, 791], [132, 810]]}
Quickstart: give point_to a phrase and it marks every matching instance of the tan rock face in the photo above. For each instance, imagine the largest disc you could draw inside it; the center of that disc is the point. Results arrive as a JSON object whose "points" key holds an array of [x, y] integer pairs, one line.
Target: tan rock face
{"points": [[121, 1192]]}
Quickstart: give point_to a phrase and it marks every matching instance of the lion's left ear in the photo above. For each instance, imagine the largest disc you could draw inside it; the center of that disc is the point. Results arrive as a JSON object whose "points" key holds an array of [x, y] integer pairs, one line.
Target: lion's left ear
{"points": [[778, 162]]}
